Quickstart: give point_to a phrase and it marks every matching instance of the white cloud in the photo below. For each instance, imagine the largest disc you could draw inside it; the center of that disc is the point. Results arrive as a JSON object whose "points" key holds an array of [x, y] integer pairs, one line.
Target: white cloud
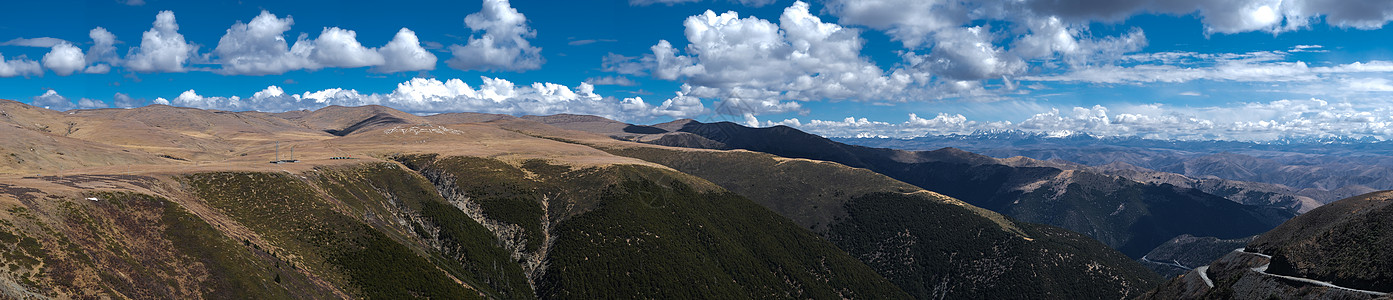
{"points": [[259, 47], [337, 47], [503, 44], [42, 42], [102, 54], [51, 100], [1248, 121], [1369, 85], [191, 98], [1174, 67], [912, 22], [87, 103], [739, 106], [162, 48], [681, 106], [19, 67], [611, 80], [757, 62], [968, 54], [404, 53], [976, 40], [915, 126], [423, 95], [65, 59], [1231, 16]]}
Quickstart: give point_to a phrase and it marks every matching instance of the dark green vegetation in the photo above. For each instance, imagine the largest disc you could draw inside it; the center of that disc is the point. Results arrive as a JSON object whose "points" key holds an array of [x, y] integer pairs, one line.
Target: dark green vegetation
{"points": [[669, 242], [929, 245], [235, 270], [644, 232], [1345, 243], [1186, 252], [140, 246], [932, 251], [462, 227], [353, 255], [396, 194], [1129, 216], [502, 192]]}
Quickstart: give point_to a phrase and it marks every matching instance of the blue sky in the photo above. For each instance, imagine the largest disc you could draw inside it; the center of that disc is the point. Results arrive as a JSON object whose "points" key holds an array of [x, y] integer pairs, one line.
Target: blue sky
{"points": [[1236, 70]]}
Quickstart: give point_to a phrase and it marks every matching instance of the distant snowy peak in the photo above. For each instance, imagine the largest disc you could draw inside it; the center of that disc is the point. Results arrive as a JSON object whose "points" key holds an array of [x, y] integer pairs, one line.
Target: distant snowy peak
{"points": [[1016, 135]]}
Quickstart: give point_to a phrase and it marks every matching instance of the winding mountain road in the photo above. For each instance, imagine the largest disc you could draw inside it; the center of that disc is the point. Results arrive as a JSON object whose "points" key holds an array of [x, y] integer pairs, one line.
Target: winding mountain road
{"points": [[1173, 263], [1204, 274], [1263, 270]]}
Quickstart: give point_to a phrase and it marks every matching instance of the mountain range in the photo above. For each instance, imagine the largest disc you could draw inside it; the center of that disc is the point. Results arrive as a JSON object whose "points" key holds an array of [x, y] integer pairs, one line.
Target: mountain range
{"points": [[1133, 217], [1324, 170], [371, 202]]}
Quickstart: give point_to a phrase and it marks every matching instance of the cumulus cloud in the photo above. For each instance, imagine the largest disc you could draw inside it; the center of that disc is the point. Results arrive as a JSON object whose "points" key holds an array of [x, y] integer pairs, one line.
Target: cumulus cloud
{"points": [[503, 44], [404, 53], [162, 48], [964, 49], [102, 55], [759, 64], [19, 67], [338, 47], [681, 106], [968, 54], [912, 22], [51, 100], [65, 59], [259, 47], [429, 95]]}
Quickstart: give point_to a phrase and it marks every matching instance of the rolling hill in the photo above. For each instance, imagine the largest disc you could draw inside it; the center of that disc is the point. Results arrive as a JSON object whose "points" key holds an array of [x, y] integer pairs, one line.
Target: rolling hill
{"points": [[181, 203]]}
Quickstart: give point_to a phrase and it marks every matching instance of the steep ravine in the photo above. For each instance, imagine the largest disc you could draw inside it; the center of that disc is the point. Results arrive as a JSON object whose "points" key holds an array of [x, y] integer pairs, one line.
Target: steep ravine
{"points": [[510, 236]]}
